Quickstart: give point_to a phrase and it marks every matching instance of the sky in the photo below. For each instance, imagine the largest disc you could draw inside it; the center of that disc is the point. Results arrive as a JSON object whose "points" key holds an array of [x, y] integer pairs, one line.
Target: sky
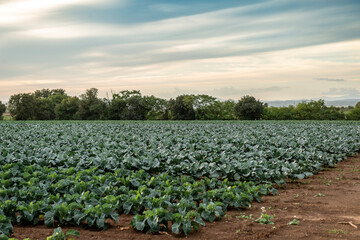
{"points": [[272, 50]]}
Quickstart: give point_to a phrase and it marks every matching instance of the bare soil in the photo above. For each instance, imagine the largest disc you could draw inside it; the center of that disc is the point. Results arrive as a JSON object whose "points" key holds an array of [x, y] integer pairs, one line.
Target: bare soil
{"points": [[327, 206]]}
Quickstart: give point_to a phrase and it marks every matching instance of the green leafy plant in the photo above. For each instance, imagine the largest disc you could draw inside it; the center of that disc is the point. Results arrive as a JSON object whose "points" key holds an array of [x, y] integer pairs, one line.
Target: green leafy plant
{"points": [[152, 221], [328, 183], [250, 216], [6, 227], [60, 235], [211, 211], [85, 173], [187, 222], [264, 217], [294, 222]]}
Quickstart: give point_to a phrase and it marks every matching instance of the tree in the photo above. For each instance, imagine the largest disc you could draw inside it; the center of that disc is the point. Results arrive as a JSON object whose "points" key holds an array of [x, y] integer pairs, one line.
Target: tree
{"points": [[91, 107], [227, 110], [248, 108], [130, 105], [278, 113], [47, 101], [182, 108], [23, 106], [334, 113], [39, 105], [317, 110], [116, 108], [159, 108], [354, 113], [313, 110], [68, 109], [2, 110], [206, 107]]}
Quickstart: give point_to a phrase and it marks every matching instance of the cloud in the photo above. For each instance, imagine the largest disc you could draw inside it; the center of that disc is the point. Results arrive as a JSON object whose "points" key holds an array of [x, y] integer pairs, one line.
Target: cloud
{"points": [[342, 91], [18, 11], [73, 31], [167, 8], [231, 91], [264, 43], [222, 93], [331, 79]]}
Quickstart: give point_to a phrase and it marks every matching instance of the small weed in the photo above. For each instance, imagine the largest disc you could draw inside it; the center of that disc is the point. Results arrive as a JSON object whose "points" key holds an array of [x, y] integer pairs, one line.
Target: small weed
{"points": [[294, 222], [355, 170], [340, 176], [319, 195], [228, 216], [245, 217], [297, 196], [241, 231], [306, 182], [338, 169], [285, 208], [328, 183], [337, 231], [60, 235], [265, 218]]}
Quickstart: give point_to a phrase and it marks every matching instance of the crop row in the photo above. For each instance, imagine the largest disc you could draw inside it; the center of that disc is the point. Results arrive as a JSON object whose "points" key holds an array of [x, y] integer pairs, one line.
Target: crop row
{"points": [[88, 197], [170, 175]]}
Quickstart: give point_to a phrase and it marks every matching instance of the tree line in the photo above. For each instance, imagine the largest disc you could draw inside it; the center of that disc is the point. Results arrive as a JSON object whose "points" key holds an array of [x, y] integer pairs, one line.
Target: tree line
{"points": [[55, 104]]}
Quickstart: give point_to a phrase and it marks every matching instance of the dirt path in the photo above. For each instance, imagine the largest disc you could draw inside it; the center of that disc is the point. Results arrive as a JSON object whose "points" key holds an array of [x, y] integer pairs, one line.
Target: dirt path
{"points": [[327, 206]]}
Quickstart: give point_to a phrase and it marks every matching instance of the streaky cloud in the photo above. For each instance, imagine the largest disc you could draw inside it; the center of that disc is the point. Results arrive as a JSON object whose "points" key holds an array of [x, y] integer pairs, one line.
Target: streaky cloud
{"points": [[342, 91], [331, 79]]}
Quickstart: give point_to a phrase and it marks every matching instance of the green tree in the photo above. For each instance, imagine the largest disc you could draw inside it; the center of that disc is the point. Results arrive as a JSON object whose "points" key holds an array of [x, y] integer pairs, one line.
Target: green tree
{"points": [[45, 93], [68, 109], [137, 106], [334, 113], [206, 107], [2, 110], [354, 113], [23, 106], [182, 108], [159, 108], [91, 107], [313, 110], [130, 105], [317, 110], [116, 108], [47, 105], [227, 110], [279, 113], [248, 108]]}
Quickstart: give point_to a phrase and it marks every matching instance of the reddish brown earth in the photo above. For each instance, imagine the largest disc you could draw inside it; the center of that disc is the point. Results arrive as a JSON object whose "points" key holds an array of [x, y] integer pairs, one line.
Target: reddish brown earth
{"points": [[332, 216]]}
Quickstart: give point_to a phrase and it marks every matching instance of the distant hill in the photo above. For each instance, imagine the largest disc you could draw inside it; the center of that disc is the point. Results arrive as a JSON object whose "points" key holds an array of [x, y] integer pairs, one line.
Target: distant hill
{"points": [[336, 103]]}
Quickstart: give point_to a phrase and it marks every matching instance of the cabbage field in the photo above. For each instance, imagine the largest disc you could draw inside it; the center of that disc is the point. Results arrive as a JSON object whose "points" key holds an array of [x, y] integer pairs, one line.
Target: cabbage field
{"points": [[172, 176]]}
